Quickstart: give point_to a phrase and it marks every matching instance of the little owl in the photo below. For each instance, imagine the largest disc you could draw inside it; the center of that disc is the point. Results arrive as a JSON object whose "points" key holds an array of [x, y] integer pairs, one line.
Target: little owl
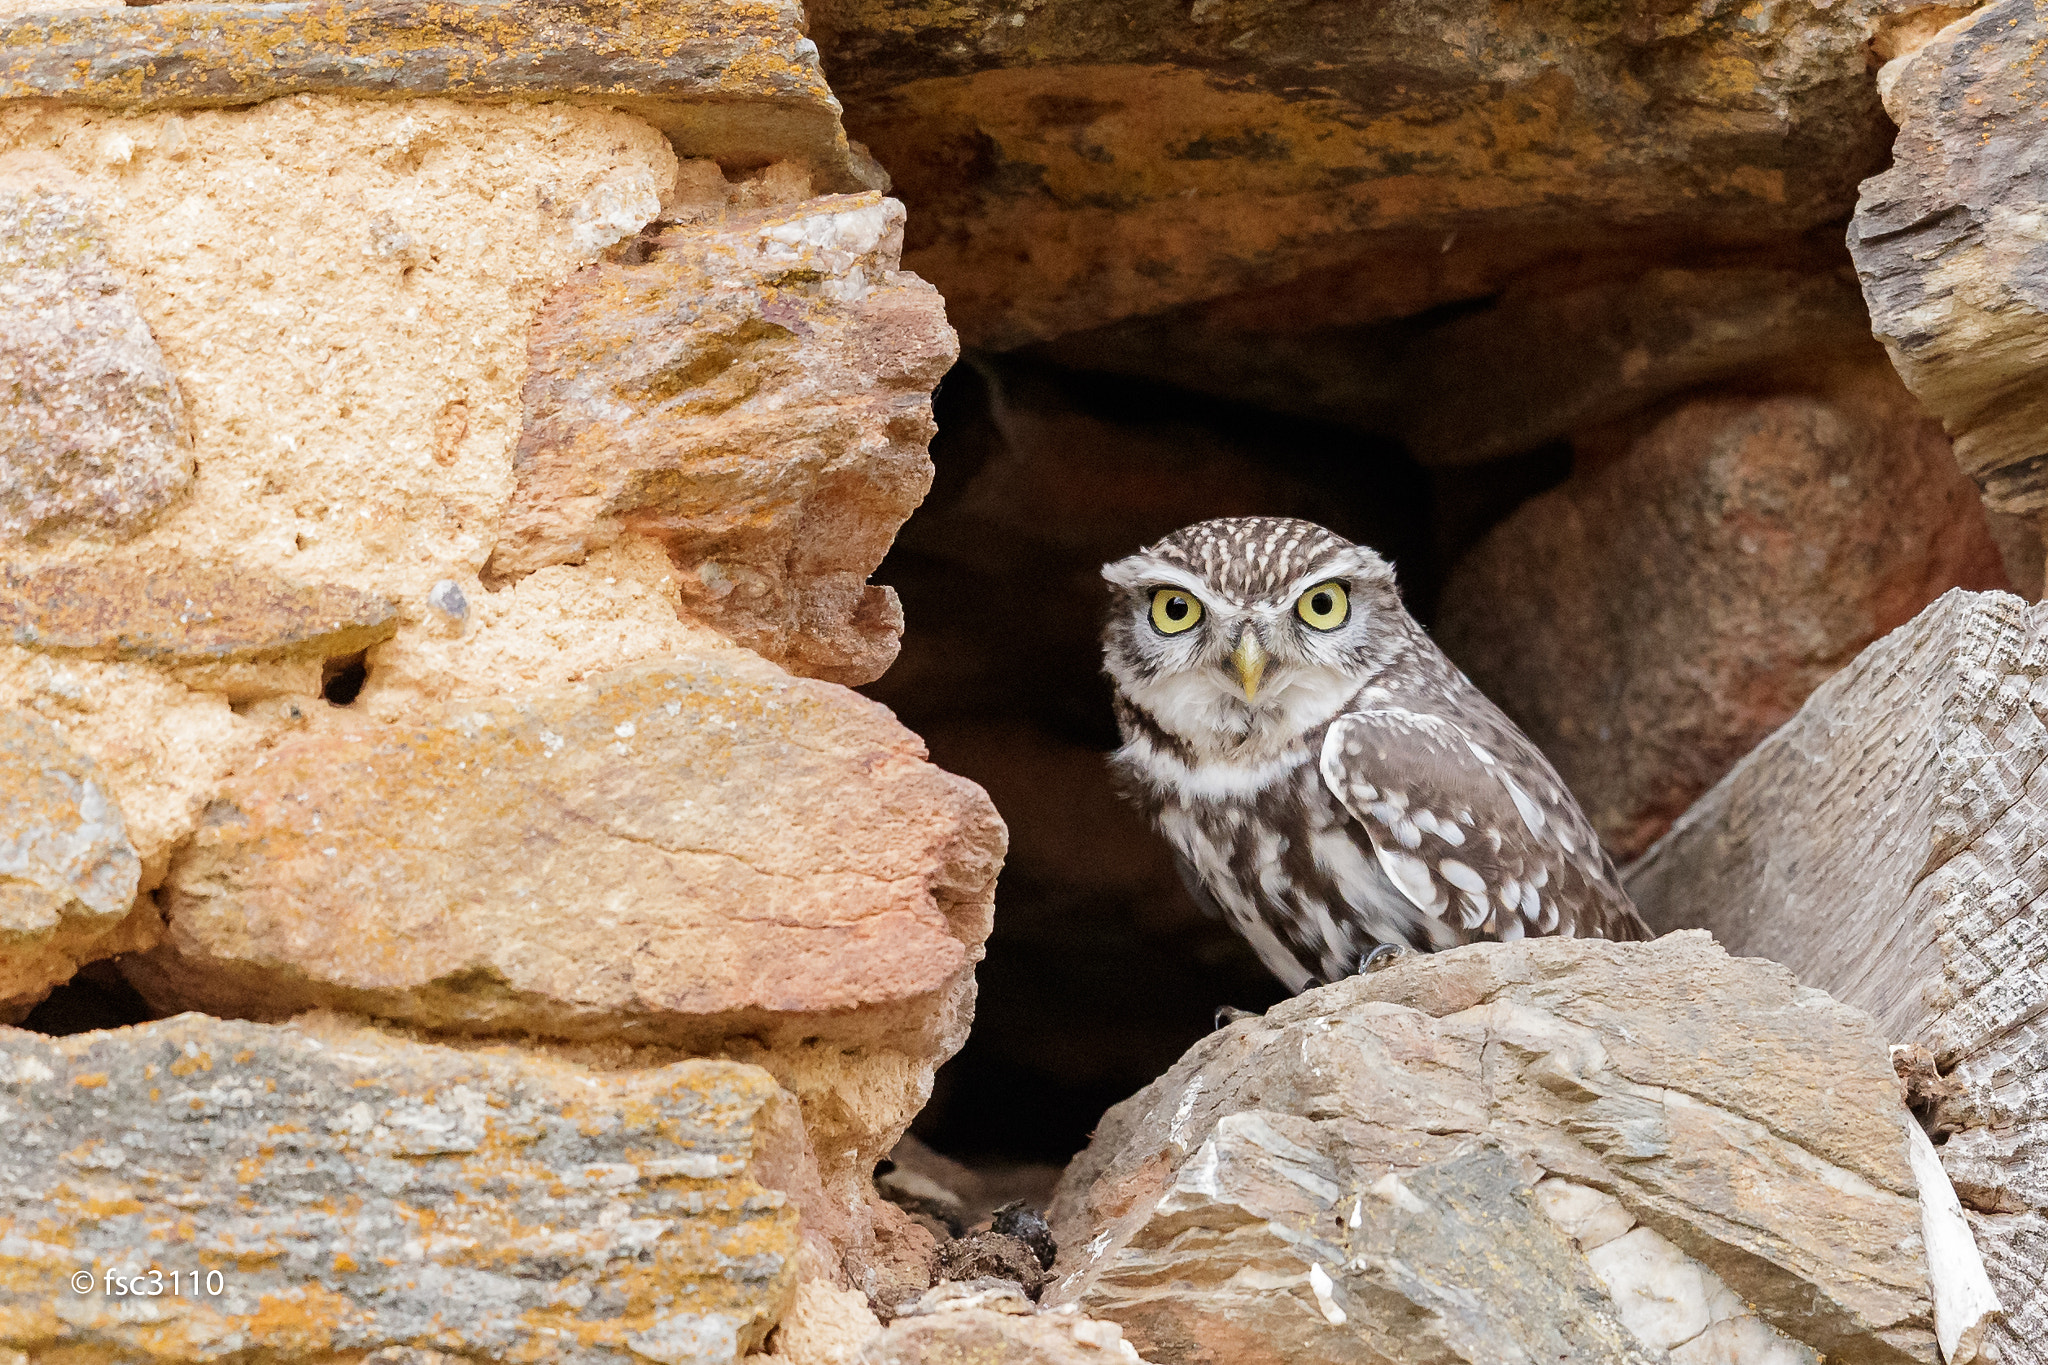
{"points": [[1329, 781]]}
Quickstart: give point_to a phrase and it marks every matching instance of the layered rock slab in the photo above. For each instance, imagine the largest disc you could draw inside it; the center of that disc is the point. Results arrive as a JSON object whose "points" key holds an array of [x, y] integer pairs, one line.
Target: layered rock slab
{"points": [[699, 854], [93, 435], [1948, 249], [1427, 1163], [731, 80], [1885, 845], [1652, 619], [187, 612], [770, 432], [68, 872], [1067, 165], [323, 1188]]}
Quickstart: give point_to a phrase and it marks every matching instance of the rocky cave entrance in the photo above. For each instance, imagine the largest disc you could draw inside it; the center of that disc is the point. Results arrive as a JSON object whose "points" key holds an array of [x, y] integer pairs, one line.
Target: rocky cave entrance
{"points": [[1671, 535], [1101, 971]]}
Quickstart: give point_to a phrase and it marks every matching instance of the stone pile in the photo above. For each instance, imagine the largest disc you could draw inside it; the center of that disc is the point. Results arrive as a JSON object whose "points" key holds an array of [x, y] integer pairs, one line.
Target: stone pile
{"points": [[437, 494], [444, 453]]}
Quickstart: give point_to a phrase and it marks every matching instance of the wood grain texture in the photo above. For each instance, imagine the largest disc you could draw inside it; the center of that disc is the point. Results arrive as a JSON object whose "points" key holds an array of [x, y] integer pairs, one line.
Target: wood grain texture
{"points": [[1890, 845]]}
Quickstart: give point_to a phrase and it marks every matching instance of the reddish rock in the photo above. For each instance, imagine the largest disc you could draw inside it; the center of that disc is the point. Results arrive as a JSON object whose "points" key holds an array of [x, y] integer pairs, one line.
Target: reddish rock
{"points": [[182, 612], [92, 428], [1652, 619], [1069, 164], [756, 396], [672, 853]]}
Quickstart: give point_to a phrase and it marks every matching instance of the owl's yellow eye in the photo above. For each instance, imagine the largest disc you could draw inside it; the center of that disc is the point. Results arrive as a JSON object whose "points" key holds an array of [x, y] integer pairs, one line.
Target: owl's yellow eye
{"points": [[1326, 606], [1174, 611]]}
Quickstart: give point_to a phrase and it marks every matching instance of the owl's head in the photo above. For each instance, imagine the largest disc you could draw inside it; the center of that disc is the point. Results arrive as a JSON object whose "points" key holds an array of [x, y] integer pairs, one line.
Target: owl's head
{"points": [[1248, 628]]}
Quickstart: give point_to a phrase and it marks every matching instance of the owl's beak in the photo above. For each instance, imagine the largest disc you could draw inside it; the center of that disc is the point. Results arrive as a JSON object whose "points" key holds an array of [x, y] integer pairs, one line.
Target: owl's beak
{"points": [[1249, 658]]}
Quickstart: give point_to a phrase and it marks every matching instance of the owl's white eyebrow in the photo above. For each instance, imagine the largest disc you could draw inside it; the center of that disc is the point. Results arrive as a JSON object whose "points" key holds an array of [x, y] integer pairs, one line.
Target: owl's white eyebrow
{"points": [[1167, 576], [1306, 581]]}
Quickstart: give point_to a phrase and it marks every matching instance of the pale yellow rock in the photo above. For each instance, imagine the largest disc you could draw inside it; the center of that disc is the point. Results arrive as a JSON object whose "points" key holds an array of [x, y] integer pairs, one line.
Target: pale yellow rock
{"points": [[558, 625], [159, 746], [824, 1326], [343, 289]]}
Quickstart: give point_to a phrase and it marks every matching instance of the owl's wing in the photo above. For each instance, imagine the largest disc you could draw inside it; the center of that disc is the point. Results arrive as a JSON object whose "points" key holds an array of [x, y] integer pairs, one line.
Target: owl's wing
{"points": [[1473, 825]]}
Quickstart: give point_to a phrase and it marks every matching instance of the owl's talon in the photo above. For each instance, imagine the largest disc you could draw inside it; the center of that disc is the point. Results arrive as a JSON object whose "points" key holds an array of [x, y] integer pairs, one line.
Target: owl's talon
{"points": [[1383, 956], [1226, 1015]]}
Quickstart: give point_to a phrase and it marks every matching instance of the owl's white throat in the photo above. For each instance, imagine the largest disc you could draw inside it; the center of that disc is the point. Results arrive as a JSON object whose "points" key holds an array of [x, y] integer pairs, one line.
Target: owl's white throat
{"points": [[1206, 710]]}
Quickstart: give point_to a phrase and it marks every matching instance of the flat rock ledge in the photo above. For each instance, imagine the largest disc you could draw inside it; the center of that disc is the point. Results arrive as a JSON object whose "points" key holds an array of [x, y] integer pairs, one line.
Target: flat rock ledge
{"points": [[711, 76], [1544, 1150], [321, 1190]]}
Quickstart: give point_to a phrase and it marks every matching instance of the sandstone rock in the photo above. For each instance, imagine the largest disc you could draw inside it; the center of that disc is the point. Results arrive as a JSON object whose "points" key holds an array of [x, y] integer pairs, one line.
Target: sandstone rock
{"points": [[1660, 613], [1066, 165], [340, 1190], [1551, 1148], [770, 434], [703, 854], [988, 1336], [92, 435], [158, 746], [714, 78], [1944, 245], [330, 280], [185, 613], [1884, 845], [68, 874], [824, 1326], [667, 854]]}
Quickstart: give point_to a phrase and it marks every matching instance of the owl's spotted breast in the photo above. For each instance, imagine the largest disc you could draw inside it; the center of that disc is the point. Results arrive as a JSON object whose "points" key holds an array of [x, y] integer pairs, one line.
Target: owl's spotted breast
{"points": [[1283, 864]]}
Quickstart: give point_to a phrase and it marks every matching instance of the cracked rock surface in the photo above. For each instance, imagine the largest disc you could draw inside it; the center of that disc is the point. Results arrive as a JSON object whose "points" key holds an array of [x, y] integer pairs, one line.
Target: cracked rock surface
{"points": [[1534, 1150], [349, 1191]]}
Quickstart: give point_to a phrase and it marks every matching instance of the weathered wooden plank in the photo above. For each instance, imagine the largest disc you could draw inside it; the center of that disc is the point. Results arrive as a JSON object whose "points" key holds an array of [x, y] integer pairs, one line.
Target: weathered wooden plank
{"points": [[1890, 845]]}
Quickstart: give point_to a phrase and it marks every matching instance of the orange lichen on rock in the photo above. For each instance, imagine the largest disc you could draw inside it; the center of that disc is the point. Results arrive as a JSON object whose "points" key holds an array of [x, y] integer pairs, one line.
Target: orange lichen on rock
{"points": [[457, 1199]]}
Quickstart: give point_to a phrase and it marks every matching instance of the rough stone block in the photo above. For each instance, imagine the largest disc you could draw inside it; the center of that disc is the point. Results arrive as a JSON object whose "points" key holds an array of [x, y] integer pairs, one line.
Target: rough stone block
{"points": [[324, 1190], [1650, 620], [664, 855], [1948, 252], [755, 394], [1541, 1150], [185, 613], [1885, 845], [92, 429], [717, 79], [1067, 166], [68, 874]]}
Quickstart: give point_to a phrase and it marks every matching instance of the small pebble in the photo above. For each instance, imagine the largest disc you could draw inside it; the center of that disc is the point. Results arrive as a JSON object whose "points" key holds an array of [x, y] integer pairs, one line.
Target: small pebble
{"points": [[446, 597]]}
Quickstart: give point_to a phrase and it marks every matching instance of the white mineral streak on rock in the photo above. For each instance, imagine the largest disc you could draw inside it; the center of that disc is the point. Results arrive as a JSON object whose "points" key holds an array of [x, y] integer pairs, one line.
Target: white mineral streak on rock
{"points": [[1964, 1301], [1593, 1219], [615, 208], [1319, 1284]]}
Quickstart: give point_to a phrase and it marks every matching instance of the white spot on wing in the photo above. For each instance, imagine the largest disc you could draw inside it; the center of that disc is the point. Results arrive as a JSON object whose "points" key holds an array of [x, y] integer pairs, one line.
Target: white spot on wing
{"points": [[1461, 876], [1532, 814], [1411, 875]]}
